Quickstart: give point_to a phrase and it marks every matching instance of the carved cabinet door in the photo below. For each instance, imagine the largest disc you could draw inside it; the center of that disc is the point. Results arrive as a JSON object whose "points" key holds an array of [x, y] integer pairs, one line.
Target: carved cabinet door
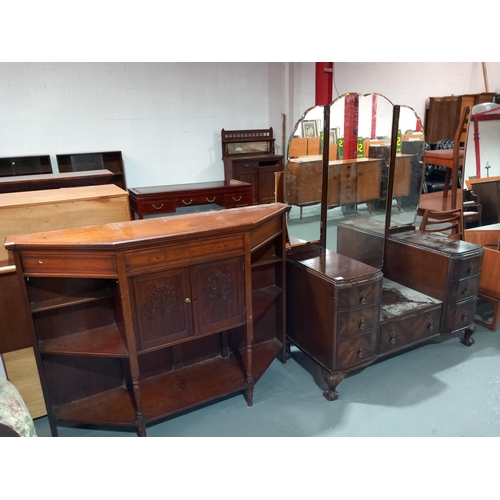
{"points": [[162, 307], [218, 295], [173, 305]]}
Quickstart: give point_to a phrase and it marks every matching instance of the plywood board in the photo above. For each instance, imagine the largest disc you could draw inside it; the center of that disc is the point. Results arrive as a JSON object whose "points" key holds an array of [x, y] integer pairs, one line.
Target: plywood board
{"points": [[50, 209]]}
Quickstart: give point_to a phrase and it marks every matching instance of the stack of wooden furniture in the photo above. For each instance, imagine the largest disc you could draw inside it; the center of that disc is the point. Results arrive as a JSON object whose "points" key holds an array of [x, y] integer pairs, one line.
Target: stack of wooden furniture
{"points": [[442, 116], [29, 212]]}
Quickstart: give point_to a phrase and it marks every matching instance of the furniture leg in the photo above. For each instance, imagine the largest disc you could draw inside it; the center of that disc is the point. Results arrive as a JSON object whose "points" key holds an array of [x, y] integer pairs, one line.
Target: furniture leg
{"points": [[467, 339], [333, 380]]}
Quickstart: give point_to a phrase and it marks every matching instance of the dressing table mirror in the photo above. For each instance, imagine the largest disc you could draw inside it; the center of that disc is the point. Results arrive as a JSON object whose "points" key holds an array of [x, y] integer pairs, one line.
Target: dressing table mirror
{"points": [[362, 281]]}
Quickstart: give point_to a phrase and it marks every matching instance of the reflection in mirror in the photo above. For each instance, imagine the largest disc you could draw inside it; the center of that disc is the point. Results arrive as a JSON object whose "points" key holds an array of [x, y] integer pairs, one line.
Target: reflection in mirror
{"points": [[303, 176], [357, 149], [408, 170], [358, 182]]}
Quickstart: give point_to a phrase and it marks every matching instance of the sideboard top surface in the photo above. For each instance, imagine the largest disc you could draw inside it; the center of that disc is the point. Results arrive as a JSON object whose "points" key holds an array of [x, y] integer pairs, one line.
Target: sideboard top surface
{"points": [[157, 230]]}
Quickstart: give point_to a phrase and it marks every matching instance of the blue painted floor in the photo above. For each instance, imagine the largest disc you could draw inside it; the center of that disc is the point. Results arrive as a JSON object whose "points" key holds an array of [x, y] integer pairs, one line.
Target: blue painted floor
{"points": [[441, 388]]}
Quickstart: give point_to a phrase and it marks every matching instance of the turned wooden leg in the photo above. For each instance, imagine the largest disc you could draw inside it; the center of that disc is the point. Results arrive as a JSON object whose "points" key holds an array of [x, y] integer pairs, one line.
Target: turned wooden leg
{"points": [[333, 380], [467, 339], [249, 391]]}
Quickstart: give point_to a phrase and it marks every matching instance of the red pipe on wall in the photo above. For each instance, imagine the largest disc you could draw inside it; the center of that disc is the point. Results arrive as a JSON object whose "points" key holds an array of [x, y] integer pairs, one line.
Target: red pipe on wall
{"points": [[324, 83]]}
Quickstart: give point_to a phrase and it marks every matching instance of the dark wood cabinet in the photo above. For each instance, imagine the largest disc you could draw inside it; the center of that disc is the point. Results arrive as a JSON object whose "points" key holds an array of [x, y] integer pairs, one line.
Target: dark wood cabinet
{"points": [[25, 165], [249, 156], [442, 115], [136, 321], [109, 160], [39, 182]]}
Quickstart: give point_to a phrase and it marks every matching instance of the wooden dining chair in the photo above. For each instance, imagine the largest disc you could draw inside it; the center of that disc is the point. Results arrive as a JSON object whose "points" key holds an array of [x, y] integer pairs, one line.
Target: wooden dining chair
{"points": [[451, 158], [447, 222]]}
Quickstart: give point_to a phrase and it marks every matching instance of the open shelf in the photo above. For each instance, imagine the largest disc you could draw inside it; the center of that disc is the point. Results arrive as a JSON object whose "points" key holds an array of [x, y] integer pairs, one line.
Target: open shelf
{"points": [[68, 301], [104, 341], [171, 392]]}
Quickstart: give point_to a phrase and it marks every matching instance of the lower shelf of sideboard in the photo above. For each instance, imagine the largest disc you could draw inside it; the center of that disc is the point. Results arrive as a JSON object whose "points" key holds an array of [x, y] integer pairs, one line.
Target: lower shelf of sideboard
{"points": [[168, 393]]}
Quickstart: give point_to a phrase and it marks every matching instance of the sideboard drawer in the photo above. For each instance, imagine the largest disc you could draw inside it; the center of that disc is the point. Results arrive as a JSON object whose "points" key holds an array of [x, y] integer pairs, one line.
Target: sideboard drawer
{"points": [[246, 164]]}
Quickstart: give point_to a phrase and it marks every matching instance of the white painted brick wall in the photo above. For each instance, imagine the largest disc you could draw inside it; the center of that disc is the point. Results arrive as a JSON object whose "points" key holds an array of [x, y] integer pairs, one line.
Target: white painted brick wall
{"points": [[166, 118]]}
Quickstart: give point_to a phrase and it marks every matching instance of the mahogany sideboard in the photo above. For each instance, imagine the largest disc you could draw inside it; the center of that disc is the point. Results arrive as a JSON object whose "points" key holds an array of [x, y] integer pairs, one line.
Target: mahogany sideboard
{"points": [[349, 181], [29, 212], [164, 199], [249, 156], [132, 322]]}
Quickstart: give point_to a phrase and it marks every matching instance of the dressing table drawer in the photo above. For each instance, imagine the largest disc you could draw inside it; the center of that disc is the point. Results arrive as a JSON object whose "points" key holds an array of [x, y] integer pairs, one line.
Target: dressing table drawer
{"points": [[466, 268], [459, 316], [405, 332], [355, 351], [463, 289], [358, 321], [358, 295]]}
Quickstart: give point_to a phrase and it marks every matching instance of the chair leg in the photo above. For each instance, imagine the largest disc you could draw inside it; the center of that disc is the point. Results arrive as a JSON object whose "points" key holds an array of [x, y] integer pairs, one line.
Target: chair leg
{"points": [[493, 325], [446, 182]]}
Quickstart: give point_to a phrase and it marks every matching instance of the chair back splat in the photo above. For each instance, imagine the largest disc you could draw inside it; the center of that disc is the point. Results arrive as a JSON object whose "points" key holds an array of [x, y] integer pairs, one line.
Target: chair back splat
{"points": [[448, 222]]}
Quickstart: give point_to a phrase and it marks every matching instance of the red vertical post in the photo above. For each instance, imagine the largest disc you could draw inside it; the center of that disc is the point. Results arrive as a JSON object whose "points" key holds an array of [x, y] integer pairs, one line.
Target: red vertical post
{"points": [[351, 115], [324, 83], [374, 117]]}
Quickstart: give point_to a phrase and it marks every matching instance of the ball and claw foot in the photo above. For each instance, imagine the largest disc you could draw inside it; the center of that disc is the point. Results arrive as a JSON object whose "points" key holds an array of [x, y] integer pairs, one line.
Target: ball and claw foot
{"points": [[333, 380], [467, 339]]}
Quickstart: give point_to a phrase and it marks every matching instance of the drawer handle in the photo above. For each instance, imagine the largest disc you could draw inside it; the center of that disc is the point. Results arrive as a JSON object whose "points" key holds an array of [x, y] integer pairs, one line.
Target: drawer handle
{"points": [[464, 316], [210, 200], [360, 352], [247, 165], [465, 290], [362, 299], [430, 324], [157, 208], [188, 300], [236, 199], [187, 202], [392, 337], [470, 268], [361, 323]]}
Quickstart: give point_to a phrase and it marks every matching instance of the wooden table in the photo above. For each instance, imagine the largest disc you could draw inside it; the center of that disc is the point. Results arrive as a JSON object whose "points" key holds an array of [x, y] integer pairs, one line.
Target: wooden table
{"points": [[165, 199]]}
